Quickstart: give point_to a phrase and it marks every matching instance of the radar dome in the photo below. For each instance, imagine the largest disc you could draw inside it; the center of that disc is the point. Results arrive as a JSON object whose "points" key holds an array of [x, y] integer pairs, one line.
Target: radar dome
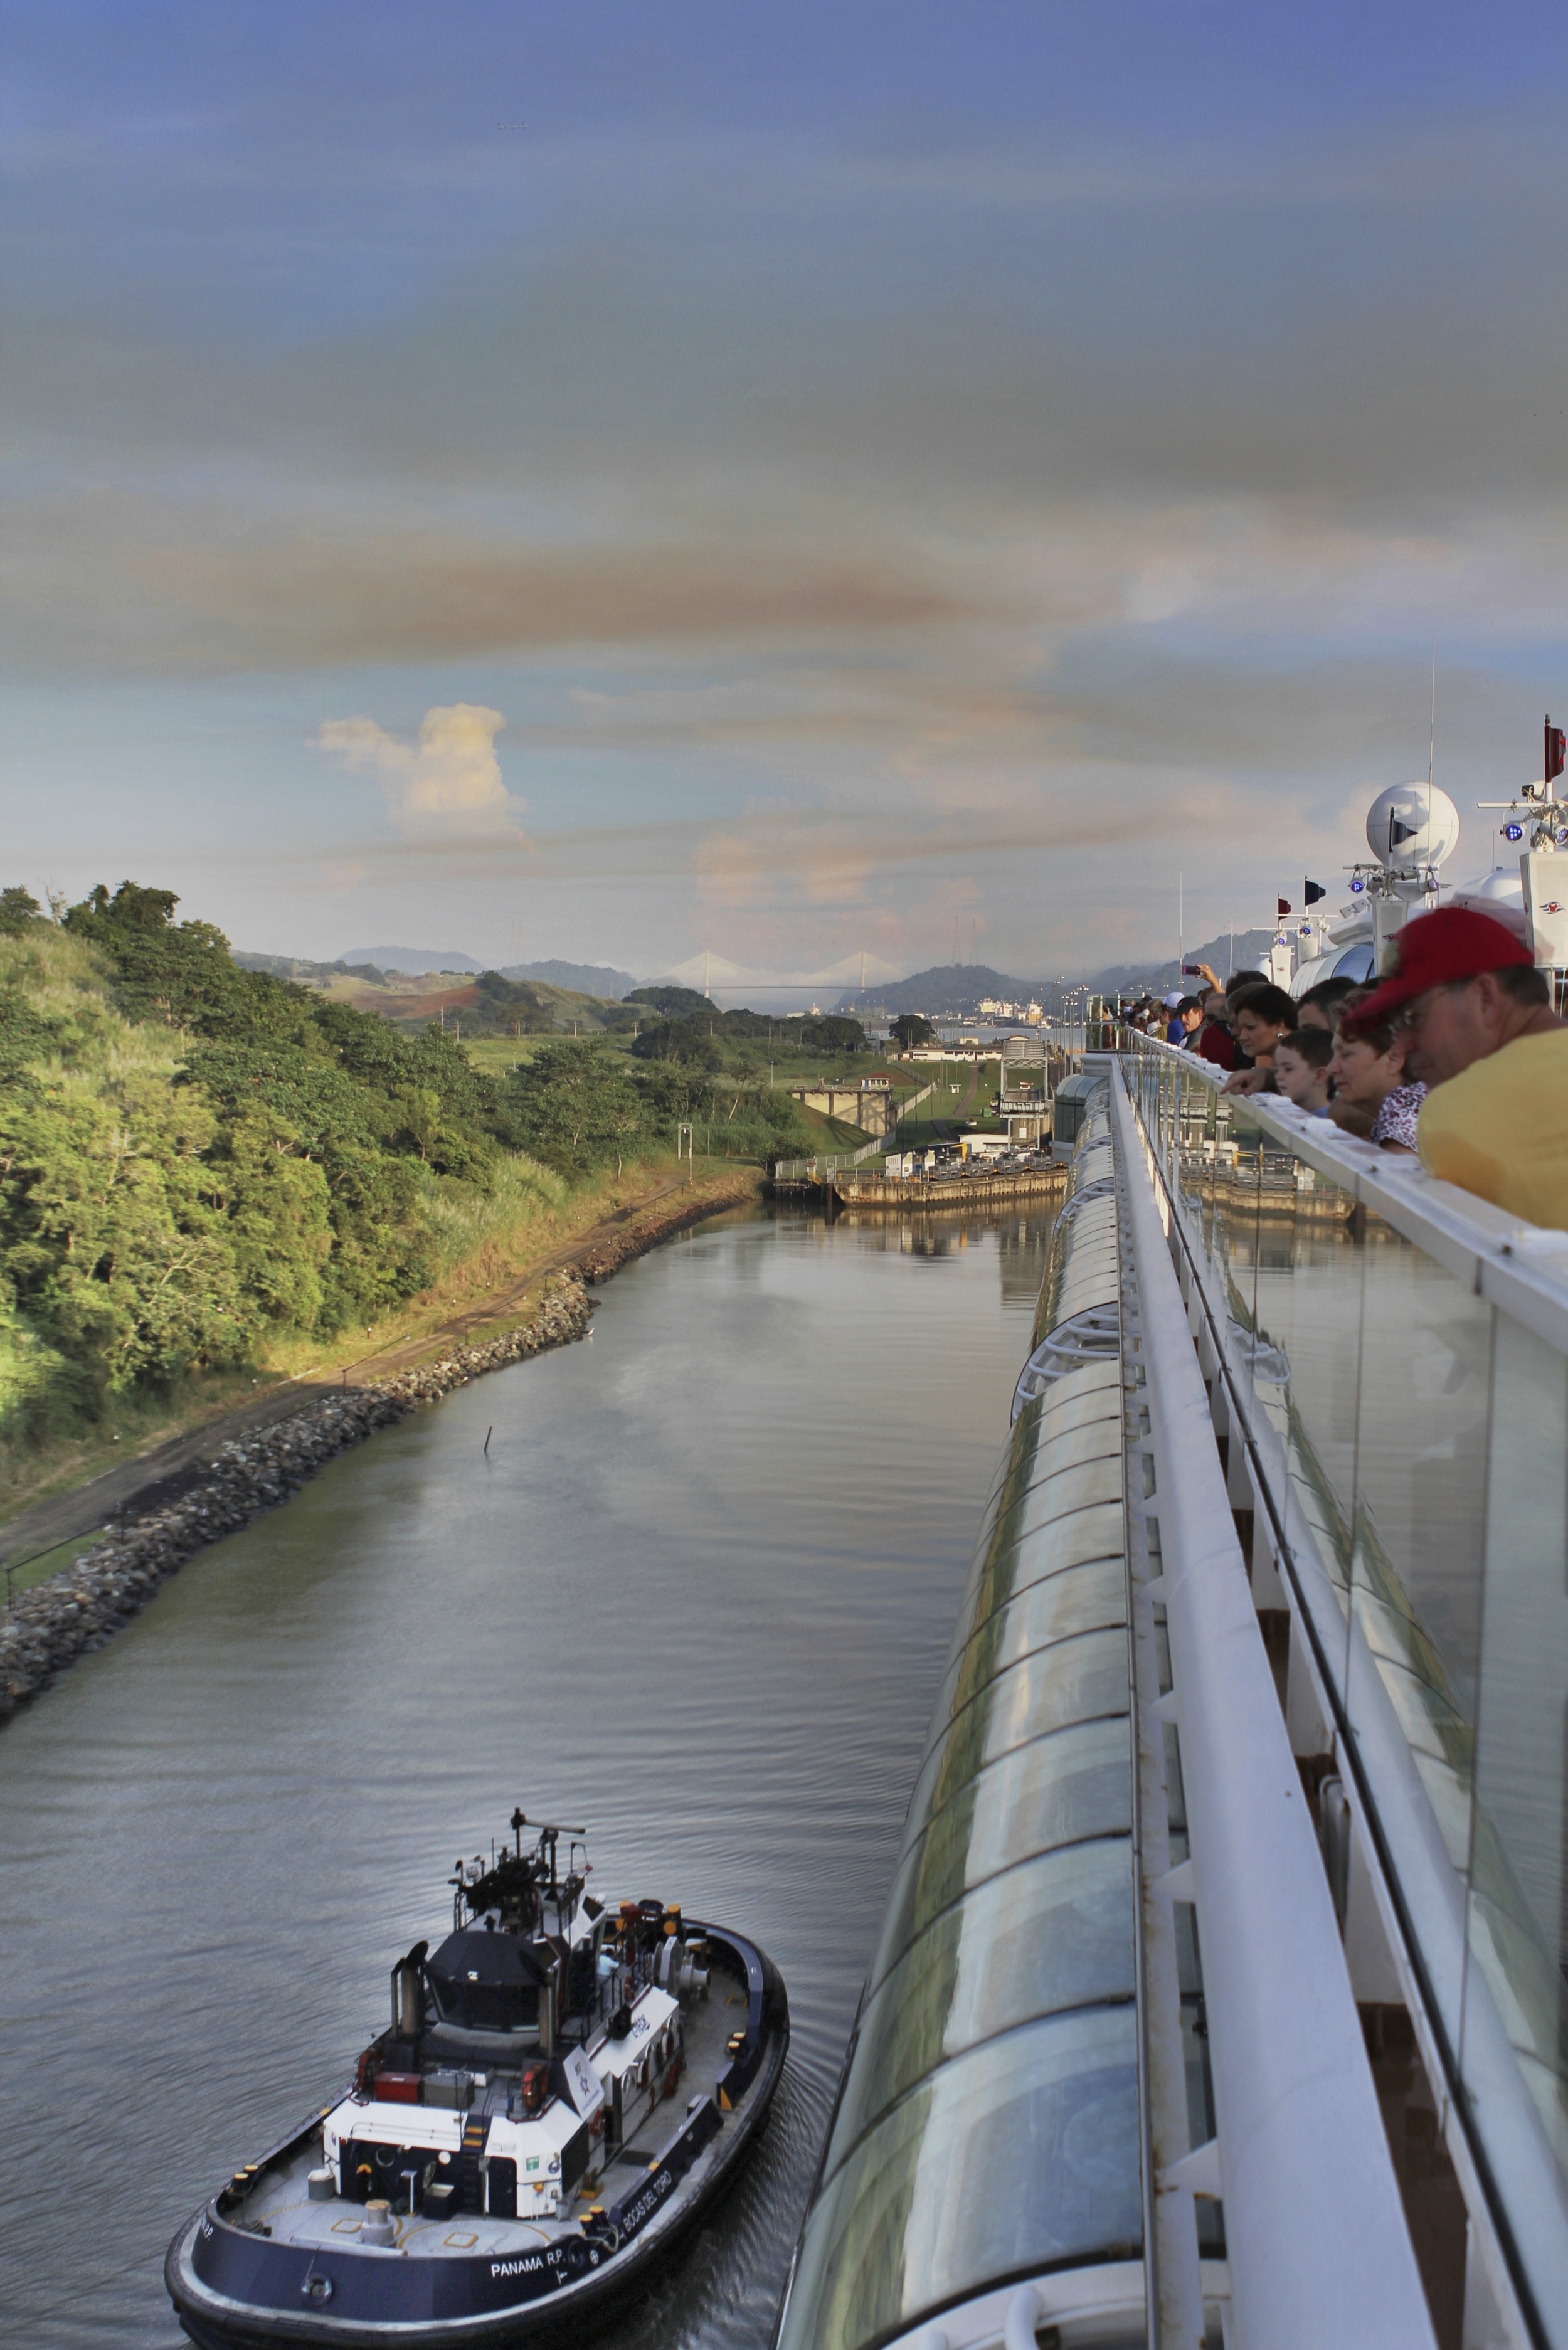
{"points": [[1411, 824]]}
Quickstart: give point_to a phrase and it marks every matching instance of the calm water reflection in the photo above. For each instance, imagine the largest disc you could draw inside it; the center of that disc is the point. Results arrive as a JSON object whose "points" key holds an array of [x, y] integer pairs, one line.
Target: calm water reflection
{"points": [[697, 1596]]}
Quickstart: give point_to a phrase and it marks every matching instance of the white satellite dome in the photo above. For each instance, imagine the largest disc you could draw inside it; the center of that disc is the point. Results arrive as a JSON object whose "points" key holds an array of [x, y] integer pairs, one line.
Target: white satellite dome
{"points": [[1412, 824]]}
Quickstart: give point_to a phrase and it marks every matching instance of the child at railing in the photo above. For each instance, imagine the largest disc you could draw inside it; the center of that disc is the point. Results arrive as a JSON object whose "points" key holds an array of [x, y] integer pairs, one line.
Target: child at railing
{"points": [[1301, 1068]]}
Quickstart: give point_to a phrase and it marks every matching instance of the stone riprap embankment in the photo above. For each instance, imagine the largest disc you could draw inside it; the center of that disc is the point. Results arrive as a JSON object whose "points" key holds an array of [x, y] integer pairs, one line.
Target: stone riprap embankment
{"points": [[605, 1257], [46, 1629]]}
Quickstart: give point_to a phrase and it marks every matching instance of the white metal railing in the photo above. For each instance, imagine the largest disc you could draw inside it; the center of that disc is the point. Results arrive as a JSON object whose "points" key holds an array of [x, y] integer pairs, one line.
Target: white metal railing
{"points": [[818, 1171], [1393, 1357], [1303, 2157]]}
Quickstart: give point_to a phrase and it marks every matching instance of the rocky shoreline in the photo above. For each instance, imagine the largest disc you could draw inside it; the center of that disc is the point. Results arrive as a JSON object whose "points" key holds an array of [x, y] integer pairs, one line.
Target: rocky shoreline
{"points": [[607, 1257], [103, 1587]]}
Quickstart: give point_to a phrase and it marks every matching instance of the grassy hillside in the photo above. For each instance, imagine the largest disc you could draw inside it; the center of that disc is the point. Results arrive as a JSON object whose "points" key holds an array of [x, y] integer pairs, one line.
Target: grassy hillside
{"points": [[205, 1171]]}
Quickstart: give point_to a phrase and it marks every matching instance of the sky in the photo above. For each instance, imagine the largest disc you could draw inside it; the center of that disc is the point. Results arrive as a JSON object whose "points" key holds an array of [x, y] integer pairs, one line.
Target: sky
{"points": [[609, 482]]}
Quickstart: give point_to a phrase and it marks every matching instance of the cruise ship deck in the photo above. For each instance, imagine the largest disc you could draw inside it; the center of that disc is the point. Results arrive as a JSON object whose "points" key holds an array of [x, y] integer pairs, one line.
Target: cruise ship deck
{"points": [[1220, 1998]]}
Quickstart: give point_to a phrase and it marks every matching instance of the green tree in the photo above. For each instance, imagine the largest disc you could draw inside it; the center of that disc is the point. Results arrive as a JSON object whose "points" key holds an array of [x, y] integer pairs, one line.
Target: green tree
{"points": [[279, 1220], [117, 1252], [672, 1003], [687, 1041], [833, 1032], [574, 1107], [912, 1028], [17, 909]]}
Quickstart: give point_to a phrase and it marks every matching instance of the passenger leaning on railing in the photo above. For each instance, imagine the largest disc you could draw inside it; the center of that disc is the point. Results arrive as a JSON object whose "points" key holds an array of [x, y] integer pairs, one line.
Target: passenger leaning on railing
{"points": [[1214, 1041], [1318, 1006], [1373, 1094], [1301, 1068], [1476, 1021], [1260, 1014]]}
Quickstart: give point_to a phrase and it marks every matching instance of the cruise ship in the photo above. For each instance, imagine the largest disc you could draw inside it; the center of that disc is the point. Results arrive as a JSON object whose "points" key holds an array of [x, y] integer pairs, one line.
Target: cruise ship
{"points": [[1220, 1998]]}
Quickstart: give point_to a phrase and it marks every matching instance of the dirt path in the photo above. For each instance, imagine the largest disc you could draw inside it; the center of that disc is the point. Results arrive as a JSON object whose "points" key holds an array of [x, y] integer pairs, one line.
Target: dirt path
{"points": [[149, 1480]]}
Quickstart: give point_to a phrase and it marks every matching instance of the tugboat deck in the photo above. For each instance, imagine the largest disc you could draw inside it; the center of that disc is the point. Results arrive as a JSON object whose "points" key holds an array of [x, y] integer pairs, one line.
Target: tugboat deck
{"points": [[280, 2205]]}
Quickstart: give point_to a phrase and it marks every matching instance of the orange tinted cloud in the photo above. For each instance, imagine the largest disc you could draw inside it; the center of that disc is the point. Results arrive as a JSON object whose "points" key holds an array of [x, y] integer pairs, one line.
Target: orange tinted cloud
{"points": [[159, 586]]}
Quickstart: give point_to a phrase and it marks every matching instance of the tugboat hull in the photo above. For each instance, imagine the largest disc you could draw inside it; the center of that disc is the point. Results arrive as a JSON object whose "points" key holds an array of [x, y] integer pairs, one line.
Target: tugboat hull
{"points": [[236, 2287]]}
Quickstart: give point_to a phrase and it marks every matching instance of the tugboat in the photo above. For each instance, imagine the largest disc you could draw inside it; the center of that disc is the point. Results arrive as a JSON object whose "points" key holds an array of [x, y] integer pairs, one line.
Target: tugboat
{"points": [[563, 2088]]}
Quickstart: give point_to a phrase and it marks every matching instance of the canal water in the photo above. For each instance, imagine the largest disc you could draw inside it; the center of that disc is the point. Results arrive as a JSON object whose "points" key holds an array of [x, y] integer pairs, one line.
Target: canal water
{"points": [[695, 1598]]}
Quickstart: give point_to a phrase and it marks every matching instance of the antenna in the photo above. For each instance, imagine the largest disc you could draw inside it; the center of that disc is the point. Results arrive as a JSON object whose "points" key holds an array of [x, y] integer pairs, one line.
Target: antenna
{"points": [[1432, 745]]}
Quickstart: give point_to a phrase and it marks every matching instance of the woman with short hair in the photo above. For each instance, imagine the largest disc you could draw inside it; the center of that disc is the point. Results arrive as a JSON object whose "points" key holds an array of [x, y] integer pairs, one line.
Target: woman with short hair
{"points": [[1371, 1093], [1260, 1014]]}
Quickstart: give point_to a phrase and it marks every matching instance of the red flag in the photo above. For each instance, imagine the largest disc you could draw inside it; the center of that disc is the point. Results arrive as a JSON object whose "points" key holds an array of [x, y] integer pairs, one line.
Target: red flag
{"points": [[1556, 744], [1284, 909]]}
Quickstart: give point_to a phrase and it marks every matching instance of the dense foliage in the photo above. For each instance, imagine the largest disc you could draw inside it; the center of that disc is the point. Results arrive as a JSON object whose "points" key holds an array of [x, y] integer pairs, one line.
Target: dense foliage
{"points": [[195, 1157], [685, 1030], [508, 1007]]}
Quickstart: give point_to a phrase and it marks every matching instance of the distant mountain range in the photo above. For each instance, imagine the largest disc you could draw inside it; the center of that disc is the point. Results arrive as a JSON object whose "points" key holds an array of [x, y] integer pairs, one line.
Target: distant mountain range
{"points": [[583, 978], [1244, 951], [954, 988], [955, 991], [945, 991], [412, 960], [416, 962]]}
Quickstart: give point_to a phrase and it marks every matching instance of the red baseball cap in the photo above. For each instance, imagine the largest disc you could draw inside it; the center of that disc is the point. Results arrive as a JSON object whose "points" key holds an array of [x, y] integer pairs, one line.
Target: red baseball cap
{"points": [[1452, 943]]}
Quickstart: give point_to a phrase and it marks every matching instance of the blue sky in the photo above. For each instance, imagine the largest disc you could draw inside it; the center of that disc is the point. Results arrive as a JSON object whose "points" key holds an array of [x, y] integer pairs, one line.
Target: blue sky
{"points": [[606, 482]]}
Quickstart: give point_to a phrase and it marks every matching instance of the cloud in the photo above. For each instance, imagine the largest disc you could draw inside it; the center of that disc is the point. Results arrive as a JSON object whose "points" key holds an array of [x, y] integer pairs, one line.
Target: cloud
{"points": [[166, 585], [447, 781]]}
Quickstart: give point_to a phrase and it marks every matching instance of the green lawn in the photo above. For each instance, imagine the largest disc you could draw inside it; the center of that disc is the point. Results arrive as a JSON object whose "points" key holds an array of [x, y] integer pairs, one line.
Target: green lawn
{"points": [[966, 1091]]}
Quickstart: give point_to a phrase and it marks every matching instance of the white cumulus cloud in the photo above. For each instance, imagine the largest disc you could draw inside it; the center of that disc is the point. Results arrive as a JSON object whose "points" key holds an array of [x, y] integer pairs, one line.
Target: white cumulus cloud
{"points": [[447, 779]]}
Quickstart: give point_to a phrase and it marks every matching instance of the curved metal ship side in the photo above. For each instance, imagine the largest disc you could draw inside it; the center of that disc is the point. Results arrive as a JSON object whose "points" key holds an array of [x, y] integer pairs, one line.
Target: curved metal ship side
{"points": [[562, 2092]]}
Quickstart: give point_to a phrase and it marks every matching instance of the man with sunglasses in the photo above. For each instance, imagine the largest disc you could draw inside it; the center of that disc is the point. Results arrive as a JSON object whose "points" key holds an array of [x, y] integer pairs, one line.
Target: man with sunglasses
{"points": [[1480, 1032]]}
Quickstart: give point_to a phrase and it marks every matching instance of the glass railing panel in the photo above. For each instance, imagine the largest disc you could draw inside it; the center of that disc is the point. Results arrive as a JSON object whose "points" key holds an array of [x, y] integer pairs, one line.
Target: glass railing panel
{"points": [[1087, 1392], [1072, 1447], [1420, 1501], [1069, 1786], [1077, 1681], [928, 2207], [1009, 1566], [1517, 1931], [1079, 1600], [1052, 1935], [1305, 1363], [1414, 1442]]}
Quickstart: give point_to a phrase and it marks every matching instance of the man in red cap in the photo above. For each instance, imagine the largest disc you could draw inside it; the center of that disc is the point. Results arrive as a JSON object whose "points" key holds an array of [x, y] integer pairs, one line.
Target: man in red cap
{"points": [[1480, 1031]]}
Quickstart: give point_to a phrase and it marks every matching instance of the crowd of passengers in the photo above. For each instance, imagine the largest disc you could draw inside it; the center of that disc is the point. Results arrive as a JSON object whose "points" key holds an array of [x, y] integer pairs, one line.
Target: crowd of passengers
{"points": [[1456, 1054]]}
